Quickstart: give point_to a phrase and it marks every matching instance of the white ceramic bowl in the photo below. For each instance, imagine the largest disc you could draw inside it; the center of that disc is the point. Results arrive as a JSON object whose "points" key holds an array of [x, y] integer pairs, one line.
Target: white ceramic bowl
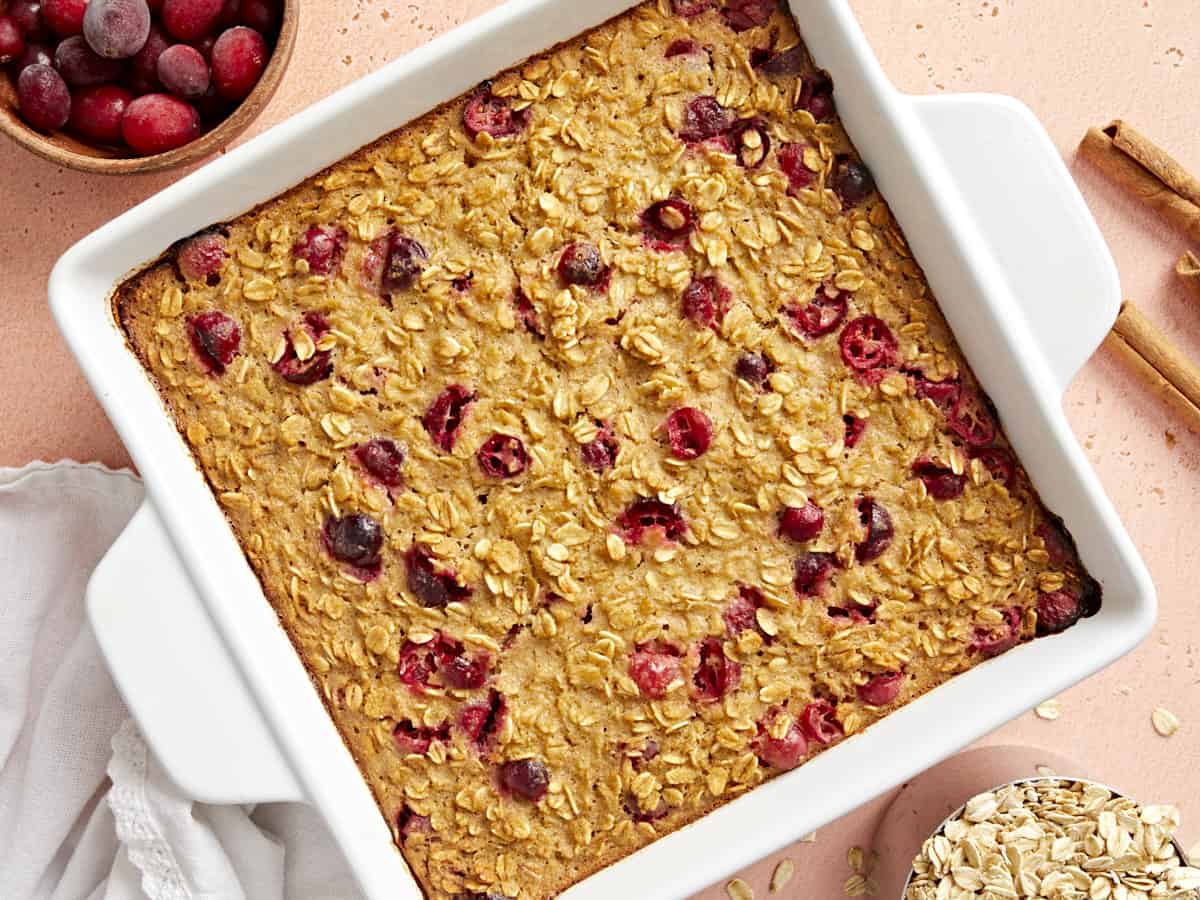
{"points": [[1009, 248]]}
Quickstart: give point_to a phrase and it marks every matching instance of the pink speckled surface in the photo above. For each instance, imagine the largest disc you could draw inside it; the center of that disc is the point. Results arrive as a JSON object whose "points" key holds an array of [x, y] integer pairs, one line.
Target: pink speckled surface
{"points": [[1075, 64]]}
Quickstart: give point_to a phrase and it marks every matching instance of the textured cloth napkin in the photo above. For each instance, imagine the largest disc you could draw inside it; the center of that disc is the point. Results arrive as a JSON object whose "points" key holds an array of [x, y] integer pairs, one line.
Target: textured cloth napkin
{"points": [[85, 811]]}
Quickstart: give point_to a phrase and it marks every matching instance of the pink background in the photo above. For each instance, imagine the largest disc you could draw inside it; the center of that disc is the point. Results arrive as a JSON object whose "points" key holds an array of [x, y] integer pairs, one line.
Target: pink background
{"points": [[1075, 64]]}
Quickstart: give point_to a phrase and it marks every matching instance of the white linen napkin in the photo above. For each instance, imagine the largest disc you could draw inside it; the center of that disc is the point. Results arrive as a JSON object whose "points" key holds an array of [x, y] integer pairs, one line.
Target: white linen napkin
{"points": [[85, 811]]}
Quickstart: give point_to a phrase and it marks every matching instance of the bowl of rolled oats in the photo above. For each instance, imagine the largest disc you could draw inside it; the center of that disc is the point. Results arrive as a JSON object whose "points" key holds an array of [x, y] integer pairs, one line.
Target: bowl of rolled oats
{"points": [[1057, 838]]}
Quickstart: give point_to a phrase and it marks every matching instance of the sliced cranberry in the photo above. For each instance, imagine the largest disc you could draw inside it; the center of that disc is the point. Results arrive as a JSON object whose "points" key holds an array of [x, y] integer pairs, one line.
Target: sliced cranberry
{"points": [[751, 142], [482, 721], [868, 344], [383, 460], [653, 667], [465, 673], [791, 161], [668, 223], [703, 119], [649, 514], [418, 739], [527, 312], [742, 15], [741, 614], [355, 539], [999, 639], [816, 95], [971, 419], [1057, 611], [821, 315], [854, 429], [317, 367], [820, 724], [409, 823], [880, 531], [940, 481], [998, 461], [1059, 545], [944, 394], [706, 301], [201, 256], [322, 247], [682, 47], [485, 112], [435, 588], [689, 432], [782, 753], [851, 181], [689, 8], [812, 571], [404, 263], [445, 415], [581, 264], [526, 778], [601, 452], [716, 674], [417, 664], [784, 64], [857, 613], [216, 339], [801, 523], [755, 369], [881, 690], [503, 456]]}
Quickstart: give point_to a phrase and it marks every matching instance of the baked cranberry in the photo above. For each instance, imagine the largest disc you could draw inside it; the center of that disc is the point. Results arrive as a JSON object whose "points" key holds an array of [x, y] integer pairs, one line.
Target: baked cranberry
{"points": [[156, 123], [653, 667], [1059, 546], [998, 461], [465, 674], [867, 344], [801, 523], [487, 113], [854, 429], [601, 452], [144, 65], [527, 313], [409, 823], [882, 689], [96, 113], [634, 808], [791, 161], [417, 664], [322, 247], [418, 739], [668, 223], [856, 613], [201, 256], [812, 570], [482, 721], [445, 415], [12, 40], [689, 8], [649, 750], [741, 613], [190, 20], [355, 539], [28, 16], [821, 315], [689, 432], [971, 419], [261, 15], [436, 588], [784, 64], [65, 17], [35, 54], [116, 29], [703, 119], [816, 95], [755, 369], [944, 394], [527, 778], [851, 181], [383, 460], [43, 97], [238, 59], [503, 456], [216, 339], [1057, 611], [649, 514], [463, 283], [682, 47], [1001, 638], [404, 264], [742, 15], [782, 753], [1091, 597], [183, 71], [581, 264], [940, 481], [751, 142], [716, 674], [318, 366], [880, 531], [706, 301], [819, 722]]}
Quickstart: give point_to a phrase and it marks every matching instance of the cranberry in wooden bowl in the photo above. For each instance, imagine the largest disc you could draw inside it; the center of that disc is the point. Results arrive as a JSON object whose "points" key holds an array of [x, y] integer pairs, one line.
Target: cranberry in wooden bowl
{"points": [[110, 99]]}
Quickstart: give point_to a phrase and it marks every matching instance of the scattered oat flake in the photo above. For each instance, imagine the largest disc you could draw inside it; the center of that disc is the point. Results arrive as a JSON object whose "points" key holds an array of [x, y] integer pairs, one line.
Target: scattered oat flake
{"points": [[1050, 710], [739, 890], [782, 875], [856, 859], [810, 838], [855, 886], [1165, 722], [1045, 771]]}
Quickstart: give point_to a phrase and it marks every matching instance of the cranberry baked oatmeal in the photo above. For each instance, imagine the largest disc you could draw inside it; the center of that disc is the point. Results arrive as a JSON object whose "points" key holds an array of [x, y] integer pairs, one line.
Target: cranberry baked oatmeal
{"points": [[601, 447]]}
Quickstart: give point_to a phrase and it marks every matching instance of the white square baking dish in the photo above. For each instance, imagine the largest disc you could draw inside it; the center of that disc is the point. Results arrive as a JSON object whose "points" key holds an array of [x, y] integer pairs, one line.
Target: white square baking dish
{"points": [[1009, 248]]}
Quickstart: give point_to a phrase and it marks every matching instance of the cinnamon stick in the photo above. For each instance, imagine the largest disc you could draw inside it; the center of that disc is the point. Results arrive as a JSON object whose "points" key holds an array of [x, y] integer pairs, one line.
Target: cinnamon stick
{"points": [[1156, 160], [1158, 360]]}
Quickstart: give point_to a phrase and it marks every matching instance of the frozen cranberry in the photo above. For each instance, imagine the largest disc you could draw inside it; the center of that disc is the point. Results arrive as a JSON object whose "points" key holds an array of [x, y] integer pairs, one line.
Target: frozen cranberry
{"points": [[706, 301], [878, 523], [487, 113], [819, 722], [261, 15], [189, 20], [649, 514], [689, 432], [601, 452], [35, 54], [867, 344], [1057, 611], [741, 613], [435, 588], [156, 123], [791, 161], [742, 15], [998, 461], [944, 394], [201, 256], [581, 264], [81, 66], [409, 823], [527, 778], [854, 429], [940, 481], [782, 753], [716, 674], [322, 247], [445, 415], [65, 17], [1059, 546], [238, 59], [821, 315], [527, 313], [144, 65], [689, 8], [668, 223], [755, 369], [383, 460], [781, 65], [802, 523], [653, 667], [403, 263], [183, 71], [1001, 638], [971, 419], [356, 539], [851, 181], [503, 456], [682, 47], [204, 47], [856, 613], [216, 339], [418, 739], [751, 142], [12, 40], [482, 721], [816, 95], [231, 14], [116, 29], [812, 570], [882, 689], [318, 366], [703, 119], [96, 113], [28, 16], [43, 97]]}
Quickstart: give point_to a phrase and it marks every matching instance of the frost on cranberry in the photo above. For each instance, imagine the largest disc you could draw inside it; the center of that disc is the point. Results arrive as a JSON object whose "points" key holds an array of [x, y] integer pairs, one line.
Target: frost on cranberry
{"points": [[316, 365], [527, 313], [704, 119], [35, 55], [528, 779], [116, 29], [971, 418], [239, 57], [706, 301], [820, 724], [158, 123], [854, 429], [580, 264], [750, 142], [183, 71], [880, 690], [821, 315], [96, 113], [856, 613], [1057, 611], [868, 345], [418, 739], [651, 515], [355, 539], [782, 753], [481, 722], [653, 667], [383, 460], [689, 432], [689, 8], [940, 481], [879, 530], [668, 223], [816, 95], [81, 66], [741, 613], [682, 47], [755, 369], [445, 415], [12, 40], [601, 452], [989, 642], [716, 674], [851, 181], [485, 113], [791, 161], [434, 587], [216, 339], [43, 98], [998, 462], [322, 248], [801, 523], [811, 572], [503, 456], [201, 257], [742, 15]]}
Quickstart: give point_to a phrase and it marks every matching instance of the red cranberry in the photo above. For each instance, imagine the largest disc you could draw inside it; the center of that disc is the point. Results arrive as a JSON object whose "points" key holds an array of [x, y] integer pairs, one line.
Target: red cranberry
{"points": [[445, 657], [649, 514], [944, 394], [816, 95], [81, 66], [322, 247], [487, 113], [201, 256], [527, 313], [742, 15], [868, 344], [65, 17], [417, 664], [231, 14], [653, 667], [881, 690], [445, 415], [418, 739], [28, 16], [682, 47], [1059, 546], [156, 123], [989, 642], [812, 570], [668, 223], [116, 29], [96, 113], [581, 264], [940, 481], [463, 284], [35, 54], [821, 315], [689, 432], [741, 614], [879, 527], [854, 429], [238, 59], [482, 721], [819, 722], [43, 97], [144, 65], [601, 452], [183, 71], [857, 613], [12, 40], [216, 339], [852, 181], [751, 153], [703, 119], [383, 460], [706, 301], [435, 588], [261, 15], [716, 674], [755, 369], [527, 778], [503, 456], [404, 263], [409, 823], [317, 367], [802, 523], [1091, 597], [355, 539], [782, 753], [1057, 611], [689, 8], [204, 47], [190, 20], [785, 64], [998, 461], [791, 161], [465, 673], [971, 419]]}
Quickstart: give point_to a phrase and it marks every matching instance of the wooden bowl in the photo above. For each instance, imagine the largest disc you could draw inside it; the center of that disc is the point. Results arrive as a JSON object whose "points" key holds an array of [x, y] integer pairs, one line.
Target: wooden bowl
{"points": [[65, 150]]}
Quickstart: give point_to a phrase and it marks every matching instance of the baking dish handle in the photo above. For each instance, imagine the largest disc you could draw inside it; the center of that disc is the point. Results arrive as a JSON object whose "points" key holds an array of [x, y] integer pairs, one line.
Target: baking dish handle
{"points": [[1034, 219], [177, 678]]}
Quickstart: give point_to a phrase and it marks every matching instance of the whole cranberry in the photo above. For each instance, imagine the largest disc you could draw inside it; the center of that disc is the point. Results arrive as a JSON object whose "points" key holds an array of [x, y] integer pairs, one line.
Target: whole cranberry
{"points": [[383, 460], [403, 263], [852, 181], [216, 339], [144, 65], [356, 539], [878, 524], [116, 29], [231, 14], [653, 667], [999, 463], [503, 456], [485, 113], [783, 64], [190, 20], [811, 571], [751, 142], [201, 256], [12, 40], [96, 113], [35, 54], [754, 369], [1057, 541], [526, 778], [238, 59], [81, 66], [435, 587], [816, 95], [940, 481], [183, 71], [322, 247], [43, 98], [689, 432], [716, 674], [581, 264], [156, 123], [28, 16], [1057, 611], [819, 722], [782, 753], [261, 15], [1001, 638], [801, 523], [65, 17], [880, 690]]}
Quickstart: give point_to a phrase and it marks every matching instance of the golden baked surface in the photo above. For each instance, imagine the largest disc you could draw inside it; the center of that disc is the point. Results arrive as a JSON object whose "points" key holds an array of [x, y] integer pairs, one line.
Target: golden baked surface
{"points": [[574, 623]]}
